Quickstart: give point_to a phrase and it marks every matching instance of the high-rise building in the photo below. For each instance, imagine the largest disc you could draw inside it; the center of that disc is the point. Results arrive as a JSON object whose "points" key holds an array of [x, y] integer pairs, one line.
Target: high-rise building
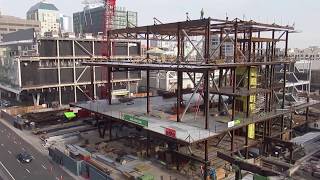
{"points": [[90, 20], [10, 24], [47, 14], [65, 23]]}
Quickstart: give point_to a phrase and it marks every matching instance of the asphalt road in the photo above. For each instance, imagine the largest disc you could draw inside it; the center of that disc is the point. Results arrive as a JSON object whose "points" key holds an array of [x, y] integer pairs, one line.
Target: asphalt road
{"points": [[41, 168]]}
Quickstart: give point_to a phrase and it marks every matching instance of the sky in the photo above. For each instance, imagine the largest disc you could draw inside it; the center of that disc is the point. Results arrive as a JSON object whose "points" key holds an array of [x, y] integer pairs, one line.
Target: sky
{"points": [[304, 14]]}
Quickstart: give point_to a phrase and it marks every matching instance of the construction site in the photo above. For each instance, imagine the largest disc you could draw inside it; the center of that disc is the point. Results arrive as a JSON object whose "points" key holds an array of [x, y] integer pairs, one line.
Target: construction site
{"points": [[239, 103], [238, 107]]}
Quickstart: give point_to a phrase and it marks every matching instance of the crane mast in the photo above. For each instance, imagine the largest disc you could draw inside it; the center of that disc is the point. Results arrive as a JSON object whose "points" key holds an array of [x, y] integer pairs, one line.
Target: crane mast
{"points": [[110, 6], [109, 14]]}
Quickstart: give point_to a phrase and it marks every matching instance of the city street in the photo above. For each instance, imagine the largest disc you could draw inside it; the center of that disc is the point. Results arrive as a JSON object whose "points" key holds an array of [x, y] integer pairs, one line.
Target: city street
{"points": [[12, 169]]}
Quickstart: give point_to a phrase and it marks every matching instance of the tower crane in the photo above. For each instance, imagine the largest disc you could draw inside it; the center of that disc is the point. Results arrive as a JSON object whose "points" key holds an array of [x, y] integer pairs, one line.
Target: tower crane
{"points": [[108, 17], [109, 14]]}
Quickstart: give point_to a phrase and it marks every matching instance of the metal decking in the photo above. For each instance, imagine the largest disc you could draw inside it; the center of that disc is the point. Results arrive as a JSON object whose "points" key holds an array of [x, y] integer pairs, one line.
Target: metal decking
{"points": [[185, 132], [190, 130]]}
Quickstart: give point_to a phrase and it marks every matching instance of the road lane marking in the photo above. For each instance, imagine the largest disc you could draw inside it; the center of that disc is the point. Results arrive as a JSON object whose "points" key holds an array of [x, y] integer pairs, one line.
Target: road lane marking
{"points": [[44, 167], [7, 171], [28, 171], [2, 145], [18, 161], [9, 152]]}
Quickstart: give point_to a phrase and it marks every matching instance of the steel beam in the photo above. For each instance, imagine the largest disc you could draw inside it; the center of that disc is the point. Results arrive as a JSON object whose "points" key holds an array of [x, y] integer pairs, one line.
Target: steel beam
{"points": [[247, 166], [83, 48], [193, 45], [189, 101]]}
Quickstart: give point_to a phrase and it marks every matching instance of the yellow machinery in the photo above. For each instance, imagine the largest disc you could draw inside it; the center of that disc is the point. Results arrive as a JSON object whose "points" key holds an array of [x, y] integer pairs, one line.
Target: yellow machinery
{"points": [[242, 101]]}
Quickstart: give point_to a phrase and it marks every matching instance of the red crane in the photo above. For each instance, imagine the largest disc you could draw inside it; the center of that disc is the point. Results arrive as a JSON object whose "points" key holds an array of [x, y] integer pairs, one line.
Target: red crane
{"points": [[109, 14], [106, 51], [110, 6]]}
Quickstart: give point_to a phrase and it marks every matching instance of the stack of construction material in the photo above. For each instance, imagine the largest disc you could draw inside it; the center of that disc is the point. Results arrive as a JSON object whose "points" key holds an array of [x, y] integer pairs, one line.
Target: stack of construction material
{"points": [[104, 159], [72, 150], [101, 166], [83, 153]]}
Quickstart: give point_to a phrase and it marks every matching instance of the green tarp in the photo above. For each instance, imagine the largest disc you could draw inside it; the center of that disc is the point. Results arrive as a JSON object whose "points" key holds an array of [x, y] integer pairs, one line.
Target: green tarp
{"points": [[70, 115]]}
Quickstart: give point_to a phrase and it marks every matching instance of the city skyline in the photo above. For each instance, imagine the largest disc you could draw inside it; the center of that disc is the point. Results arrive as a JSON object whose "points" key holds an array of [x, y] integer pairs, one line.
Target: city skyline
{"points": [[297, 14]]}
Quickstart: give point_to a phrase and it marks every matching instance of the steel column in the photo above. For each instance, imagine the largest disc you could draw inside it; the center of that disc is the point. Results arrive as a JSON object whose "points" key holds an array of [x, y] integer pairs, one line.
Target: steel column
{"points": [[234, 70], [92, 82], [59, 72], [287, 42], [110, 130], [179, 94], [206, 95], [248, 88], [109, 85], [232, 140], [148, 73], [180, 46], [220, 85], [148, 91], [307, 110], [148, 144], [74, 73], [283, 97], [273, 46], [221, 39]]}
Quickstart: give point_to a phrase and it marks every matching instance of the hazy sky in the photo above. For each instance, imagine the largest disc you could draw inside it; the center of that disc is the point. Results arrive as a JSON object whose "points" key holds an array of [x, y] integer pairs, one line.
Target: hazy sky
{"points": [[304, 13]]}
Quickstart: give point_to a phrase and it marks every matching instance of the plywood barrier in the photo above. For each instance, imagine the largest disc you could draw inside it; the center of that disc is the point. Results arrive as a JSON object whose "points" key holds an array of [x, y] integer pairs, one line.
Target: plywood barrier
{"points": [[23, 110]]}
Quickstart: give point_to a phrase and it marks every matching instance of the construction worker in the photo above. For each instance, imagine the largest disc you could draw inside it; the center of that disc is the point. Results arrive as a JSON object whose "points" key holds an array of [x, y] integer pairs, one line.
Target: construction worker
{"points": [[202, 14]]}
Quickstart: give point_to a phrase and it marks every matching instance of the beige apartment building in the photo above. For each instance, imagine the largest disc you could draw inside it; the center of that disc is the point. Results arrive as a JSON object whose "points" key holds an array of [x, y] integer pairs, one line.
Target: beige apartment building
{"points": [[47, 14]]}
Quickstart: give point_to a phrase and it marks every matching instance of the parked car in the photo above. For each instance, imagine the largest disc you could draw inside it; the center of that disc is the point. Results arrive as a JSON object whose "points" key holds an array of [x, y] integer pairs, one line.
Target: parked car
{"points": [[25, 157]]}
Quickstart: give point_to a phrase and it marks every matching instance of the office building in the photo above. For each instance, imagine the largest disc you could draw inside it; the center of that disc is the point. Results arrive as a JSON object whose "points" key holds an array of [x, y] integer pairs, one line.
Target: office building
{"points": [[90, 20], [47, 14], [65, 23]]}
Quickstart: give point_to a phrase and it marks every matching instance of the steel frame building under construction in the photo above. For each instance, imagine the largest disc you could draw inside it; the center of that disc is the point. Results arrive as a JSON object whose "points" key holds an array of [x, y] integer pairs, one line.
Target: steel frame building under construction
{"points": [[45, 69], [239, 102]]}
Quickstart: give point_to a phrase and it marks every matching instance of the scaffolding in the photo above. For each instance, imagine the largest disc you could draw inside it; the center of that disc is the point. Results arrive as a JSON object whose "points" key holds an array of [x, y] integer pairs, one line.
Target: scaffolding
{"points": [[253, 114]]}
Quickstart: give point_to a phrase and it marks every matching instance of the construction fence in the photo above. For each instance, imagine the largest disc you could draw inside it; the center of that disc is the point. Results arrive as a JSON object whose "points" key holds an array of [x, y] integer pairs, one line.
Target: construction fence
{"points": [[76, 166]]}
